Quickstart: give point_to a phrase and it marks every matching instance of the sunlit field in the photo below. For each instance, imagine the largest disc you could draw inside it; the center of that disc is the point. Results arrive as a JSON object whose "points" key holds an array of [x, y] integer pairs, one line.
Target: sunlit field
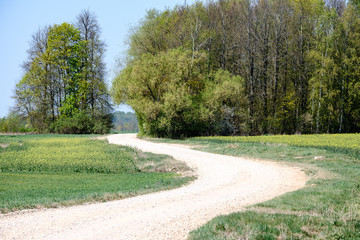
{"points": [[327, 208], [55, 170]]}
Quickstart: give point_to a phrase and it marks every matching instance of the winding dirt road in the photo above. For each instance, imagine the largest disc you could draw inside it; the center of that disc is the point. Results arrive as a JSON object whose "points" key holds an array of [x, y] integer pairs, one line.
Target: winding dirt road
{"points": [[224, 185]]}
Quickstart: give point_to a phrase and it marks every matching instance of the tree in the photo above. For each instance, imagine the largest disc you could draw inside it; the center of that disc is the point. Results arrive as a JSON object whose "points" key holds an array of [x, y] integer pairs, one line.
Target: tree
{"points": [[324, 74], [65, 52], [335, 75], [295, 61], [171, 95], [14, 123], [350, 84], [94, 68], [64, 79]]}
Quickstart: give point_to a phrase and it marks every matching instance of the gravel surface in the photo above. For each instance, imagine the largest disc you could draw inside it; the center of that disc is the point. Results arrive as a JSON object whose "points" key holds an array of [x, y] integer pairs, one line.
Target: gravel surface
{"points": [[224, 185]]}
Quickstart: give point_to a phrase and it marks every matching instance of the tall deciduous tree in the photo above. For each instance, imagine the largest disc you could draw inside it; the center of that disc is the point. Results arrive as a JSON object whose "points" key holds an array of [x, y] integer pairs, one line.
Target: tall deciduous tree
{"points": [[63, 85], [295, 59], [94, 68], [173, 97]]}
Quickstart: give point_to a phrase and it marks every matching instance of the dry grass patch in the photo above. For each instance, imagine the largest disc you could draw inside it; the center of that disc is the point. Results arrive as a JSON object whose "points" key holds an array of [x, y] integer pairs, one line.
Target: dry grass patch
{"points": [[148, 162], [4, 145]]}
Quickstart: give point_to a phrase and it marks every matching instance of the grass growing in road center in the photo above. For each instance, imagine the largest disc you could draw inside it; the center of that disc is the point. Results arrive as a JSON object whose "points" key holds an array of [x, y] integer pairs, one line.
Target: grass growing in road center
{"points": [[53, 170]]}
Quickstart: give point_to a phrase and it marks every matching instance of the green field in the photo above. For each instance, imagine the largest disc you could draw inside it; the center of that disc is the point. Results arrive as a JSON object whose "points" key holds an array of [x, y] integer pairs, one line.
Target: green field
{"points": [[55, 170], [327, 208], [344, 143]]}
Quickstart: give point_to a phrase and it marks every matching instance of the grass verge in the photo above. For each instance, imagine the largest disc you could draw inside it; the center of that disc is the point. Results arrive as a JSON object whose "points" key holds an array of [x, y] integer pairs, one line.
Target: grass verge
{"points": [[60, 170], [327, 208]]}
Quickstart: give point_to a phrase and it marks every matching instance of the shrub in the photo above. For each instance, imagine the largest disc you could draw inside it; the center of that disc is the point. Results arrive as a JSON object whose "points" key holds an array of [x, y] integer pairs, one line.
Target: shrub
{"points": [[174, 95], [102, 124], [14, 123], [82, 123]]}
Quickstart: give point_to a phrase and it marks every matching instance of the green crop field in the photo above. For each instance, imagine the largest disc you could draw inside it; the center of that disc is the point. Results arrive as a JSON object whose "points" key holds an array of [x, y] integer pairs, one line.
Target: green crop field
{"points": [[327, 208], [65, 154], [346, 143], [53, 170]]}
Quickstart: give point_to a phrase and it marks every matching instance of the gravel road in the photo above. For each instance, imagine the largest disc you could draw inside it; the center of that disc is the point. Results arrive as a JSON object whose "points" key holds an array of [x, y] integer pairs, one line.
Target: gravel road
{"points": [[224, 185]]}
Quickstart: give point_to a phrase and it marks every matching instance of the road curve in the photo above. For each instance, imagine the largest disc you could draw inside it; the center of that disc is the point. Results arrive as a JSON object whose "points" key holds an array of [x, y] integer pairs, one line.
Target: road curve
{"points": [[224, 185]]}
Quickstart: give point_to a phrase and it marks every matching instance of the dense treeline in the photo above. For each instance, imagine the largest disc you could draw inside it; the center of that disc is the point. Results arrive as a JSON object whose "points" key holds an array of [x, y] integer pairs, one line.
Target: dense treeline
{"points": [[245, 67], [63, 89]]}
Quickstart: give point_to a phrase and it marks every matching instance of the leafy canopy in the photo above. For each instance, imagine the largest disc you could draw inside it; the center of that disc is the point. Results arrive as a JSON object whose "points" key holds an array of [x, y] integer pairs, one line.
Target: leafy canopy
{"points": [[173, 95]]}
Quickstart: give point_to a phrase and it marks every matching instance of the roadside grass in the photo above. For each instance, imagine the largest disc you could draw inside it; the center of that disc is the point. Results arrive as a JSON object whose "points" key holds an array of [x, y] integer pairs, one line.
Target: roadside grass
{"points": [[38, 190], [59, 170], [340, 143], [327, 208]]}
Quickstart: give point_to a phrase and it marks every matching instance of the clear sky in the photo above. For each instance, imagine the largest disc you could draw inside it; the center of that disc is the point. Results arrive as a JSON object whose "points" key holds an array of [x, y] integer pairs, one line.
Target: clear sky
{"points": [[19, 19]]}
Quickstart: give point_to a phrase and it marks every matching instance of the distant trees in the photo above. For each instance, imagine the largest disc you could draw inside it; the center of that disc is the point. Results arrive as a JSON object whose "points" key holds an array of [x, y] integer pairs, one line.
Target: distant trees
{"points": [[296, 65], [125, 122], [14, 123], [63, 88]]}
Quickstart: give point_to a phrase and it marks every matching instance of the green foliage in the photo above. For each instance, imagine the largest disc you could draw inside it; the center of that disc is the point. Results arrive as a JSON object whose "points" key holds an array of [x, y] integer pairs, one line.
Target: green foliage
{"points": [[82, 122], [64, 84], [254, 225], [356, 4], [173, 95], [78, 123], [102, 123], [14, 123], [225, 97], [297, 60]]}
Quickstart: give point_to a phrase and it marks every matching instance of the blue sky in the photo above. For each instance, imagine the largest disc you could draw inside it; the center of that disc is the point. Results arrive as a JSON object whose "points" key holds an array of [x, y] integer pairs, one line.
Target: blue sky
{"points": [[19, 19]]}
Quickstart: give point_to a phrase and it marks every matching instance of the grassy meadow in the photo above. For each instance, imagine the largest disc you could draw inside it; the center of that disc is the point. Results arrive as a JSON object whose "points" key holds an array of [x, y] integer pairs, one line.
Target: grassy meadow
{"points": [[327, 208], [55, 170]]}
